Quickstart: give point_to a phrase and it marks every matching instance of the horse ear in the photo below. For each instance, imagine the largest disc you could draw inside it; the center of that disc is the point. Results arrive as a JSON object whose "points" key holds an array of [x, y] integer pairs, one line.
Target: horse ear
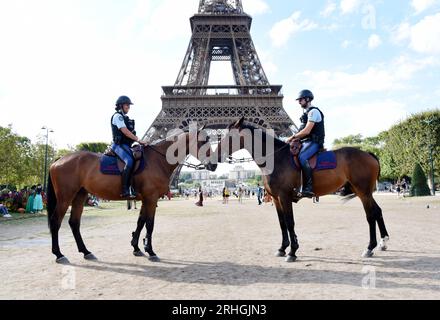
{"points": [[202, 128]]}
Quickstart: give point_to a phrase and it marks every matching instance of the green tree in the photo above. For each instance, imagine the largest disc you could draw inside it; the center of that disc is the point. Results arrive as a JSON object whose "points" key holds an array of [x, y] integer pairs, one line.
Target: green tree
{"points": [[37, 164], [15, 157], [409, 142], [419, 187], [63, 152], [97, 147], [351, 140], [404, 144]]}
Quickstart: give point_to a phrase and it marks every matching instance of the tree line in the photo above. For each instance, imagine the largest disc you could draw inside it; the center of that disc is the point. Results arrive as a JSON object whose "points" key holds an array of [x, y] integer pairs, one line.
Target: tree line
{"points": [[22, 162], [403, 146]]}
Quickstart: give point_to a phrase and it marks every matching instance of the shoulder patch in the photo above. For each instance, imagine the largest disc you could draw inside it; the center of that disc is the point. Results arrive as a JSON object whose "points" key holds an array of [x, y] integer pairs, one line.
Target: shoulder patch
{"points": [[121, 118]]}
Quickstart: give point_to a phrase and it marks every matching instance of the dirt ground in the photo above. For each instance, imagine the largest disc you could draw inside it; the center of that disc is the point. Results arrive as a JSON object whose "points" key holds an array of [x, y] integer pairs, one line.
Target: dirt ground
{"points": [[227, 252]]}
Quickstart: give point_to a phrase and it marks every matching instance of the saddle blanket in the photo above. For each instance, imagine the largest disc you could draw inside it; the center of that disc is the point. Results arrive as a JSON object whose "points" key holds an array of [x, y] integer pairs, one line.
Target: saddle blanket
{"points": [[109, 166], [325, 161]]}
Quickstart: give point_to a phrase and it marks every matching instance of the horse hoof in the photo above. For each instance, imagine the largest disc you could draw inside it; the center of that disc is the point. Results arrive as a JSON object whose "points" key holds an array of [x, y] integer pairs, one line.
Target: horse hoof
{"points": [[290, 259], [90, 257], [63, 260], [368, 253], [383, 244], [138, 253], [280, 254], [154, 259]]}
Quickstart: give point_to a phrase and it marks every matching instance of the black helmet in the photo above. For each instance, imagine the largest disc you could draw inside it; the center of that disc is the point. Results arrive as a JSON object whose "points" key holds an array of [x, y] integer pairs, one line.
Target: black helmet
{"points": [[123, 100], [307, 94]]}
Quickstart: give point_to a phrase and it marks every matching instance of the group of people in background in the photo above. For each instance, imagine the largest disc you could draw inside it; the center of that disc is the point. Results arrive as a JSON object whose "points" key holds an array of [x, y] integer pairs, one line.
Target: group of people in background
{"points": [[27, 200], [34, 203]]}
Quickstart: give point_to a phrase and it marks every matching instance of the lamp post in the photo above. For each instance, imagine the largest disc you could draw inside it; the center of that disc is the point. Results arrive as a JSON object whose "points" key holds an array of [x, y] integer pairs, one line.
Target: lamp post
{"points": [[431, 158], [45, 157]]}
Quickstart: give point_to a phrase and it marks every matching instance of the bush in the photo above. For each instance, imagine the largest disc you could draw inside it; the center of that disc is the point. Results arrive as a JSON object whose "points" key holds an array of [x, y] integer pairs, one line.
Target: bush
{"points": [[419, 187]]}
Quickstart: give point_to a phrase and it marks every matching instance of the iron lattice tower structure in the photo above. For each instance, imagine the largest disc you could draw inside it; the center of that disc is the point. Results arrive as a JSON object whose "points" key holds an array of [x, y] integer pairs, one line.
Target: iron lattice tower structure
{"points": [[221, 32]]}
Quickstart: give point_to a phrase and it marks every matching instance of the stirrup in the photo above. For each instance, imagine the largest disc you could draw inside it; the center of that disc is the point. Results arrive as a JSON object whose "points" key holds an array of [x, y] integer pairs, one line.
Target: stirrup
{"points": [[128, 196], [133, 192], [308, 194]]}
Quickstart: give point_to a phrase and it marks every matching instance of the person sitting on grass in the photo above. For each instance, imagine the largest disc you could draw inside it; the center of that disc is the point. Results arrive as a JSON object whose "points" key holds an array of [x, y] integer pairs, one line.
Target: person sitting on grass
{"points": [[4, 211]]}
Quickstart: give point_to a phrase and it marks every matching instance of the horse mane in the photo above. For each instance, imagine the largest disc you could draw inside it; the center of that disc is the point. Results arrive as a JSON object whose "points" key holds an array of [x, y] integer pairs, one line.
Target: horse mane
{"points": [[278, 142]]}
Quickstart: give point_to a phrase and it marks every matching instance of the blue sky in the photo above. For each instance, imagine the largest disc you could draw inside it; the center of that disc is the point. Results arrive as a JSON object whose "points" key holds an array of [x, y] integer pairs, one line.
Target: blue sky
{"points": [[64, 62]]}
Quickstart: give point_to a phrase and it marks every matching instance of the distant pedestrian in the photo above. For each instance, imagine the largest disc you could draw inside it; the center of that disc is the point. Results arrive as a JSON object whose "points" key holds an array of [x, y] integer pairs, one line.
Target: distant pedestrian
{"points": [[130, 204], [227, 195], [38, 201], [240, 195], [30, 200], [259, 194], [200, 203]]}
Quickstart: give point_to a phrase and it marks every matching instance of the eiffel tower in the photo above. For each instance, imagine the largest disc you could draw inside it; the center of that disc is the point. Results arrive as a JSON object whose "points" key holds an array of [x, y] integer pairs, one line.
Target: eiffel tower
{"points": [[221, 32]]}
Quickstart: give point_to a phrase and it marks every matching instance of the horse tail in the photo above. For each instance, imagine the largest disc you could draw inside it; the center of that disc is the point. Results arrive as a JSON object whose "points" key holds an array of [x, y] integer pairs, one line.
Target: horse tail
{"points": [[378, 161], [51, 200]]}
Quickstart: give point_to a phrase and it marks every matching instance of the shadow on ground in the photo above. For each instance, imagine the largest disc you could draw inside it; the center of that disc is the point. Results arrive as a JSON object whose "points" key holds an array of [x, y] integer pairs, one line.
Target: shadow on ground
{"points": [[233, 274]]}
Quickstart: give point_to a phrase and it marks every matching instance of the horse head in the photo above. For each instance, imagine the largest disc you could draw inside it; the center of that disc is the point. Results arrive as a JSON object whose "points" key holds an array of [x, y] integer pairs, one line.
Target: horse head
{"points": [[204, 151]]}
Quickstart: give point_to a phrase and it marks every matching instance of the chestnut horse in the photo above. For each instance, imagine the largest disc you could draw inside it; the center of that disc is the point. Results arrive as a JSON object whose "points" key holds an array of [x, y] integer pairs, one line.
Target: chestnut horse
{"points": [[357, 170], [73, 177]]}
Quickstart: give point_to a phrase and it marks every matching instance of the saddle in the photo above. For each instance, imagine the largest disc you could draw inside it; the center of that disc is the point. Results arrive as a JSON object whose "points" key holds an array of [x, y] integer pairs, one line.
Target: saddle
{"points": [[112, 165], [322, 160]]}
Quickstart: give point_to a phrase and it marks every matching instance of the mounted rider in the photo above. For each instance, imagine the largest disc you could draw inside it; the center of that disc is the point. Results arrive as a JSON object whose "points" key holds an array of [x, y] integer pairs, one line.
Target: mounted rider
{"points": [[124, 135], [312, 135]]}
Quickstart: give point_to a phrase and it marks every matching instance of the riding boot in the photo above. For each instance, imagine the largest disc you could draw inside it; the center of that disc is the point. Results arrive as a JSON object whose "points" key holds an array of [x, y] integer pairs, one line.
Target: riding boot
{"points": [[307, 191], [126, 192], [132, 189]]}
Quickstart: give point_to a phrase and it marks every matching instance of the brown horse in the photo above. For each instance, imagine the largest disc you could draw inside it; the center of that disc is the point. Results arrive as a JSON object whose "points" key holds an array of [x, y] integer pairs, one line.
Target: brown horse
{"points": [[73, 177], [358, 171]]}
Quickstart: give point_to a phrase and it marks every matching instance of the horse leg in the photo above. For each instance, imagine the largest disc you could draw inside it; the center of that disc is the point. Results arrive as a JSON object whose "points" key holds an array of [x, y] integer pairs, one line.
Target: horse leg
{"points": [[75, 223], [381, 223], [55, 225], [135, 235], [148, 241], [286, 243], [287, 208], [370, 210]]}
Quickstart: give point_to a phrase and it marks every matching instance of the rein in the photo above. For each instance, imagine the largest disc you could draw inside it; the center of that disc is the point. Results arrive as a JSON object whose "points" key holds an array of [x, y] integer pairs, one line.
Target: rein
{"points": [[186, 164], [234, 160]]}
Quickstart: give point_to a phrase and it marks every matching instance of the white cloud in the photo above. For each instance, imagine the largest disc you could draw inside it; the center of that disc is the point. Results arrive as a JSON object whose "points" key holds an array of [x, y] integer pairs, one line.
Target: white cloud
{"points": [[345, 44], [374, 41], [329, 9], [423, 37], [255, 7], [378, 78], [65, 67], [422, 5], [426, 34], [283, 30], [346, 119], [401, 32], [349, 6]]}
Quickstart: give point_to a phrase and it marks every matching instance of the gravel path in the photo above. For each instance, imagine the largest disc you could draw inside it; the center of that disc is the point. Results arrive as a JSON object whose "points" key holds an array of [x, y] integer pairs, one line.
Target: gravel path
{"points": [[227, 252]]}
